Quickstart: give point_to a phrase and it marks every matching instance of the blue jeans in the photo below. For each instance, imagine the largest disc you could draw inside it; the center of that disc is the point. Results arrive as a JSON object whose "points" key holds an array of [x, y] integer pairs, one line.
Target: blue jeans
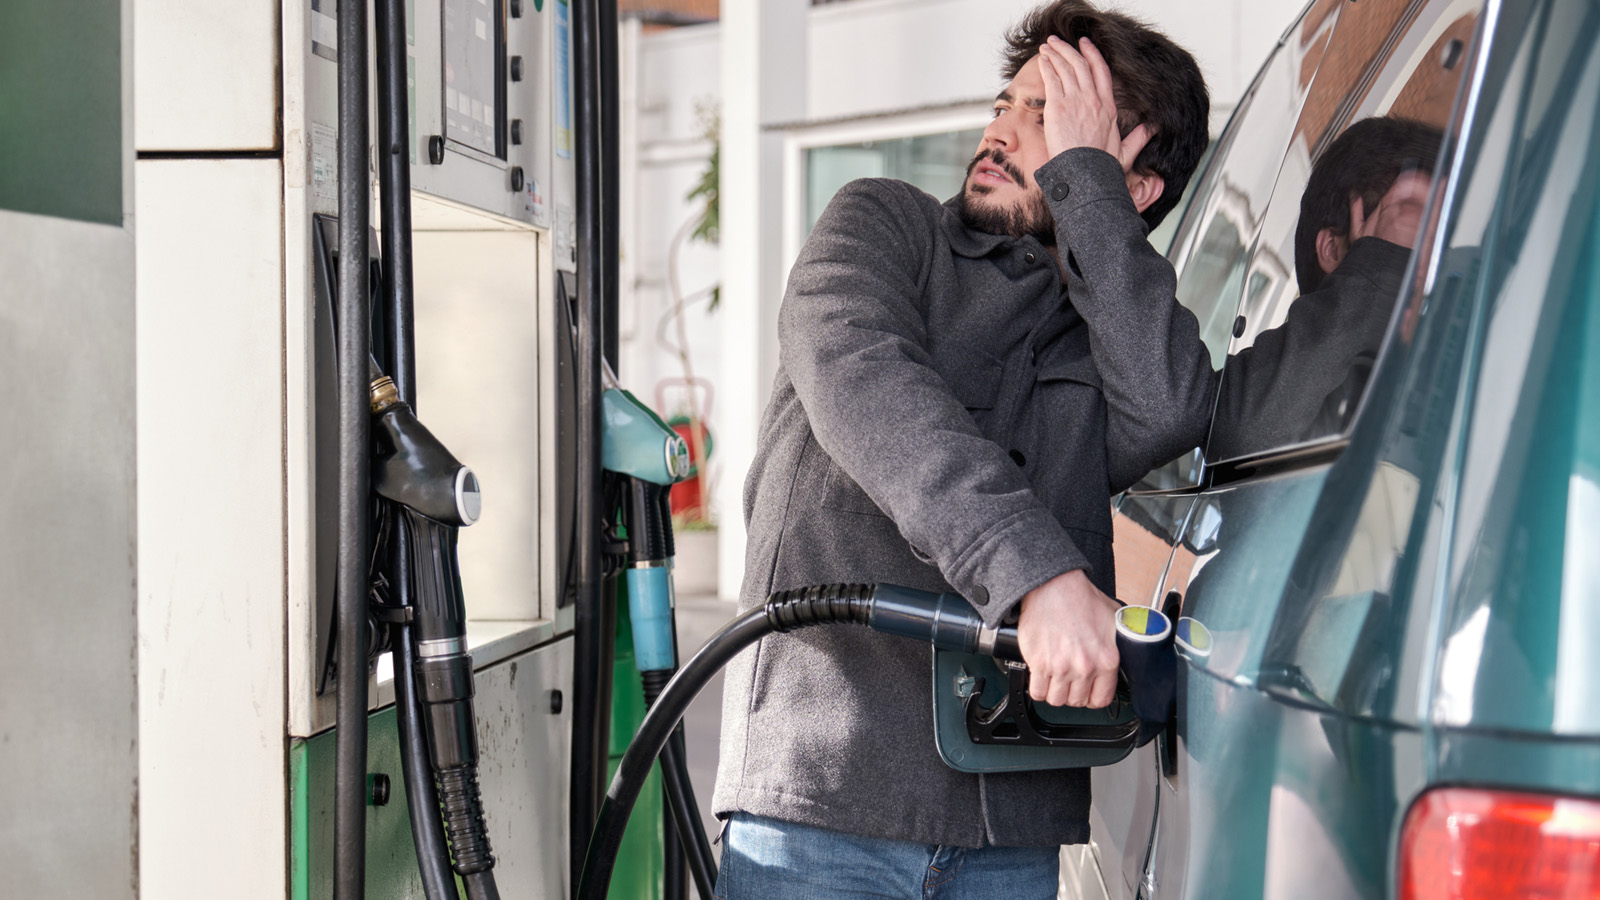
{"points": [[766, 858]]}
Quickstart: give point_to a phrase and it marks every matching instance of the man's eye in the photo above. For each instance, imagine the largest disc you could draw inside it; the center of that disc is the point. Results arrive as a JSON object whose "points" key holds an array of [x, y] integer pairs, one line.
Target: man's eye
{"points": [[997, 111]]}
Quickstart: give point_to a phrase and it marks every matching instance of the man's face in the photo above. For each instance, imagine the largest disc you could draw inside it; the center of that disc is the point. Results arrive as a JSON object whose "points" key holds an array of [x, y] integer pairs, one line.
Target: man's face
{"points": [[1000, 196]]}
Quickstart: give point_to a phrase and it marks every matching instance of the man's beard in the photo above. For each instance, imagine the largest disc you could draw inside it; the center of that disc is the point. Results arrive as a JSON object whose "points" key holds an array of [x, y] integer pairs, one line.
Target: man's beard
{"points": [[1031, 218]]}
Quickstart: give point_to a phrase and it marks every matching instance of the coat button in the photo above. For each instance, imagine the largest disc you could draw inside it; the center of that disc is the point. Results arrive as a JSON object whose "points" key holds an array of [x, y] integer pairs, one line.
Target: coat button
{"points": [[1059, 192], [1018, 458], [1029, 257], [979, 595]]}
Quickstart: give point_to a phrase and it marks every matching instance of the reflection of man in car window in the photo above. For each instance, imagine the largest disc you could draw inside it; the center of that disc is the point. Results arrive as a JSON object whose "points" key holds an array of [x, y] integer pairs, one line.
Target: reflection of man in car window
{"points": [[1359, 219]]}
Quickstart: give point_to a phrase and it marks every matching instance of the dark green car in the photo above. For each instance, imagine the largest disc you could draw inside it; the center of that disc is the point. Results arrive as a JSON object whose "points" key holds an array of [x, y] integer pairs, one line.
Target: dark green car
{"points": [[1387, 558]]}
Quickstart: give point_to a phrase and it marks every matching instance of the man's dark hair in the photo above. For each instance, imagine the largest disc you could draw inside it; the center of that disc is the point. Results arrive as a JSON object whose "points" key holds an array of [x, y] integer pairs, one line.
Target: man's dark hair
{"points": [[1364, 162], [1154, 81]]}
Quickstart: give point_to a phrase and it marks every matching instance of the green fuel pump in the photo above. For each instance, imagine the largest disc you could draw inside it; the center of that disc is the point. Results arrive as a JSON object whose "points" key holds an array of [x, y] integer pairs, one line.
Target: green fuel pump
{"points": [[646, 457]]}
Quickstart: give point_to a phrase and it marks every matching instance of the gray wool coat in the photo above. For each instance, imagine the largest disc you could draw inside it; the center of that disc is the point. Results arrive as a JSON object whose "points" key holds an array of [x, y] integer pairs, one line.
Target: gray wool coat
{"points": [[947, 415]]}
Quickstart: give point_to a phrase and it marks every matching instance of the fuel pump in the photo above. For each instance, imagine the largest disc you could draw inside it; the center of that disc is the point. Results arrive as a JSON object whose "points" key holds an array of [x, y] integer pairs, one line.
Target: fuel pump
{"points": [[428, 496], [626, 456], [646, 457]]}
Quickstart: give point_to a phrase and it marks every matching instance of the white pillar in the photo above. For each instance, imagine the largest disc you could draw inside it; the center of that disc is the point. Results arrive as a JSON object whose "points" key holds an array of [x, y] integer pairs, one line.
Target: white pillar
{"points": [[763, 82]]}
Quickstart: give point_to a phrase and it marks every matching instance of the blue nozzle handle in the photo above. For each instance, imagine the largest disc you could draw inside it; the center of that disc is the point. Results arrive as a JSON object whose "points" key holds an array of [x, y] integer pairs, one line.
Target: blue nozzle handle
{"points": [[634, 441], [650, 608]]}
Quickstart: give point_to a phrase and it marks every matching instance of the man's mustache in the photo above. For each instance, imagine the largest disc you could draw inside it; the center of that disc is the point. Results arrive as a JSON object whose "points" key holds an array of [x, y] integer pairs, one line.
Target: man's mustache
{"points": [[998, 157]]}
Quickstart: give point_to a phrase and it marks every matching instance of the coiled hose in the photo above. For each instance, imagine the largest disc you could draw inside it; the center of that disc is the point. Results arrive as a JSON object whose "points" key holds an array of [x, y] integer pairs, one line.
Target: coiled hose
{"points": [[783, 611]]}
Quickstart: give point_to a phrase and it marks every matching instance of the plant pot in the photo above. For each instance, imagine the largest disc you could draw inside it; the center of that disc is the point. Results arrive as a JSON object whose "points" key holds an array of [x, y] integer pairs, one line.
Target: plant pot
{"points": [[695, 566]]}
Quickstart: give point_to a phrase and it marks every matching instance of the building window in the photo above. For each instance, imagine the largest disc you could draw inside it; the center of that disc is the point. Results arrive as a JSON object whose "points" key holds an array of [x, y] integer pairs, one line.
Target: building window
{"points": [[936, 163]]}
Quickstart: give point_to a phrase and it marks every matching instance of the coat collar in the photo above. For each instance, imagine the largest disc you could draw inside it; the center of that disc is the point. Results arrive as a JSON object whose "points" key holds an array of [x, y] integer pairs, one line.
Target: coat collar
{"points": [[963, 240]]}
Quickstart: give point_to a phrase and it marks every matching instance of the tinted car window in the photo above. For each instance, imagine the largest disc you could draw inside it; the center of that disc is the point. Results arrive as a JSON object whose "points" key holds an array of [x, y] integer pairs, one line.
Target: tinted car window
{"points": [[1322, 274], [1221, 217], [1212, 245]]}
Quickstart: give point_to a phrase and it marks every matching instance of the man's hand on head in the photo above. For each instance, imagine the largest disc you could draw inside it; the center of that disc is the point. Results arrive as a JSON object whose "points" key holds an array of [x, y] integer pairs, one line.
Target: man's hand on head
{"points": [[1068, 636], [1079, 109], [1398, 216]]}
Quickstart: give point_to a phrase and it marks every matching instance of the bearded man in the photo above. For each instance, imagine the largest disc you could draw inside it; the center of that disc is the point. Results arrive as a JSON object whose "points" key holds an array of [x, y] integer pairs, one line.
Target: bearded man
{"points": [[962, 387]]}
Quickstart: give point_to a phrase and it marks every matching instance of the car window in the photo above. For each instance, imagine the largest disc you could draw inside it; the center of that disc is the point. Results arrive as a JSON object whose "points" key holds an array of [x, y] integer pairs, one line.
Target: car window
{"points": [[1210, 248], [1319, 282]]}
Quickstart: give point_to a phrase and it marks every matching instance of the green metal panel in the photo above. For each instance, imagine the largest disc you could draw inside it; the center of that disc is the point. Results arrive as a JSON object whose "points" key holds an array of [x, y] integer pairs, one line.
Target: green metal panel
{"points": [[639, 871], [61, 148], [391, 857]]}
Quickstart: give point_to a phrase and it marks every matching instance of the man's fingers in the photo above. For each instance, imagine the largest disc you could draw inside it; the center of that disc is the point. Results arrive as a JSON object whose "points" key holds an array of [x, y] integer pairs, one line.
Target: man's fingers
{"points": [[1082, 76], [1076, 693], [1132, 145], [1099, 72], [1038, 686], [1051, 59], [1055, 90], [1358, 219], [1102, 690], [1061, 690]]}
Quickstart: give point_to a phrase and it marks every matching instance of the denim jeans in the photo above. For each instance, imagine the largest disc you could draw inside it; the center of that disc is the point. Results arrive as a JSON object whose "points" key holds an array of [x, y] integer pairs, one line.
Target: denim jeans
{"points": [[764, 859]]}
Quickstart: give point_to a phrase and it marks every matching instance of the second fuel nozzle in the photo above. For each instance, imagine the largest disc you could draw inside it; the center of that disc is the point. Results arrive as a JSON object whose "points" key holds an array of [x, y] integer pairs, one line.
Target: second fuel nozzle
{"points": [[414, 468]]}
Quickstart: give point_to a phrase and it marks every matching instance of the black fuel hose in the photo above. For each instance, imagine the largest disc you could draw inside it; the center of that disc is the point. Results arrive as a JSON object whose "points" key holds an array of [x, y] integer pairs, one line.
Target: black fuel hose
{"points": [[944, 620], [686, 814], [657, 727], [690, 830], [422, 800], [355, 449]]}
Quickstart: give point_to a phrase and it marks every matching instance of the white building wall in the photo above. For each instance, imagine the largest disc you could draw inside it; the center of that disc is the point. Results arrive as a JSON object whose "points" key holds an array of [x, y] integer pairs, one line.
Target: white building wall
{"points": [[866, 67]]}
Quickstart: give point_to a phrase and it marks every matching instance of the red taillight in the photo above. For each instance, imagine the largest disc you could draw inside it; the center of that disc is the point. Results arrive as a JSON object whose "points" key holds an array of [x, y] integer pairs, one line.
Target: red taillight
{"points": [[1461, 844]]}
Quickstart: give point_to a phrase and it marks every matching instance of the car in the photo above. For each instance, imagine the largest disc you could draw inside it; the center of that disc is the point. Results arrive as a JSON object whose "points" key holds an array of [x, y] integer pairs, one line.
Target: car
{"points": [[1385, 560]]}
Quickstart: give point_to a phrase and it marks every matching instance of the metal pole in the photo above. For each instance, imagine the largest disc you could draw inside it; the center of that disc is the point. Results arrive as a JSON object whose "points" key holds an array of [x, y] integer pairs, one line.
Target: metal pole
{"points": [[394, 190], [594, 613], [610, 178], [355, 445]]}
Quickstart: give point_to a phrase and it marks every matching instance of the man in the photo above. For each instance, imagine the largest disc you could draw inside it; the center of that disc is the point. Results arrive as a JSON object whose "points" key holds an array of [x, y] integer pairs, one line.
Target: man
{"points": [[1359, 219], [961, 389]]}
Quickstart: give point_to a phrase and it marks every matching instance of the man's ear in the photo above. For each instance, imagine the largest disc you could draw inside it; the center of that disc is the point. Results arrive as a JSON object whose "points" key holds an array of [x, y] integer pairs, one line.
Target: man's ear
{"points": [[1145, 188], [1331, 248]]}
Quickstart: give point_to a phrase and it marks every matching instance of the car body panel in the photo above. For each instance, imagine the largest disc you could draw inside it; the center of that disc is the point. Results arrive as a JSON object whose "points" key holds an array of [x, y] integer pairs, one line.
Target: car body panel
{"points": [[1411, 603]]}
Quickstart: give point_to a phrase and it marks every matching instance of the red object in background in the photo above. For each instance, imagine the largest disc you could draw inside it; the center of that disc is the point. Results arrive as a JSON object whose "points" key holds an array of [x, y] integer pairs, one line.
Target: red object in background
{"points": [[688, 495]]}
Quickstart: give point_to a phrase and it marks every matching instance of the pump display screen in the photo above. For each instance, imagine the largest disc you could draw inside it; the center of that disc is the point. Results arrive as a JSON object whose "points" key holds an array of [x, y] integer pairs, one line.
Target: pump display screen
{"points": [[474, 81]]}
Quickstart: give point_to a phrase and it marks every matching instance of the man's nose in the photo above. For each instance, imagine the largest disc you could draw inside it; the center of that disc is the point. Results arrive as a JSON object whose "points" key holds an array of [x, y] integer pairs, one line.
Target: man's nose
{"points": [[1000, 133]]}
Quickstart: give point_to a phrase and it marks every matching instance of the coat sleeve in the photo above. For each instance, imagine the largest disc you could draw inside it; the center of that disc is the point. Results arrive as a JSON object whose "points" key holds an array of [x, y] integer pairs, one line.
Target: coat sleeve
{"points": [[1155, 371], [852, 337]]}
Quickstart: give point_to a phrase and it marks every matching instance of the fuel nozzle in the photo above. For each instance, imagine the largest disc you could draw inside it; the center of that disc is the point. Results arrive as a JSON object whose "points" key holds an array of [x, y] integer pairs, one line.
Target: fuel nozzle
{"points": [[438, 496], [414, 468]]}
